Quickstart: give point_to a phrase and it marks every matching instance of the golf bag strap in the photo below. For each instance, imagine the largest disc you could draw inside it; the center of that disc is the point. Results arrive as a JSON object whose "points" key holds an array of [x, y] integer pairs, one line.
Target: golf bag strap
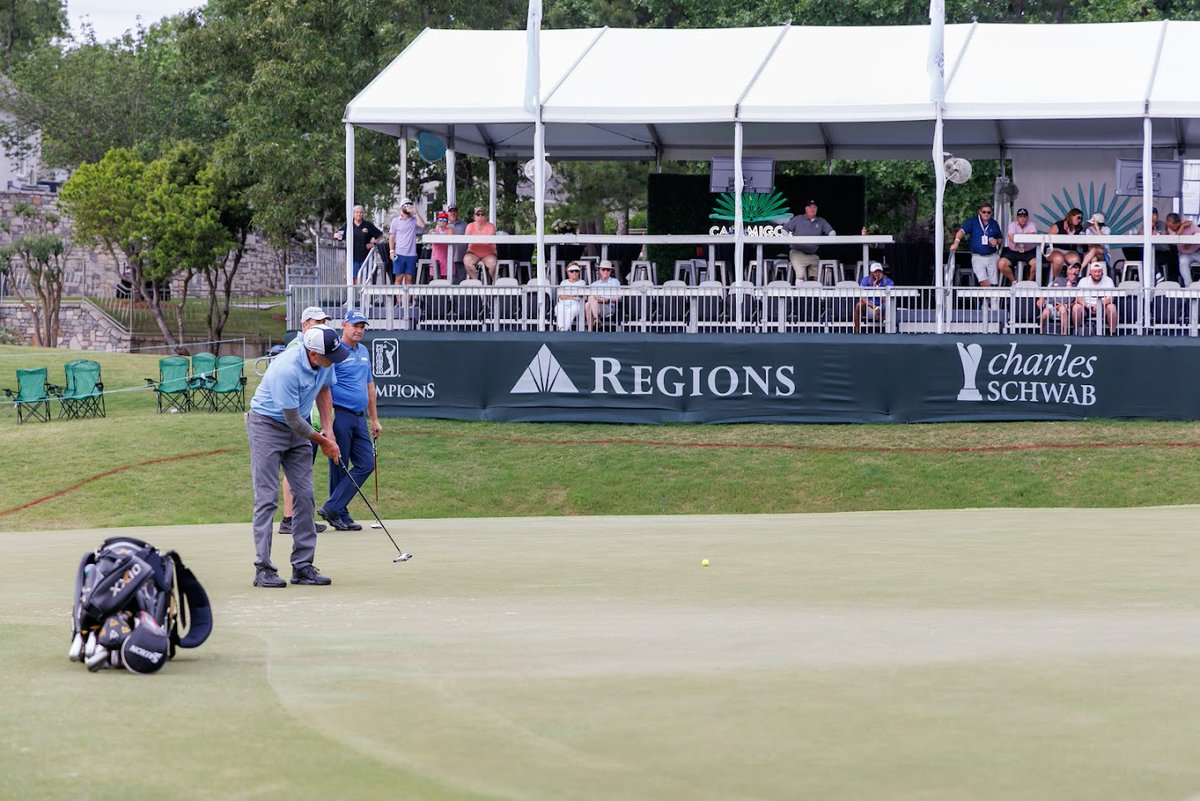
{"points": [[193, 603]]}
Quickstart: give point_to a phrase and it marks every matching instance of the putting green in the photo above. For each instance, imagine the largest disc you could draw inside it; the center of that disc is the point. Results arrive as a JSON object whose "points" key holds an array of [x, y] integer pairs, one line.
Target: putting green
{"points": [[1033, 654]]}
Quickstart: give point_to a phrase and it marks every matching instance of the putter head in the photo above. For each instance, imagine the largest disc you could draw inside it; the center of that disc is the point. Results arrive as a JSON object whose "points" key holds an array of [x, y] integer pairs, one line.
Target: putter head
{"points": [[376, 525], [402, 557]]}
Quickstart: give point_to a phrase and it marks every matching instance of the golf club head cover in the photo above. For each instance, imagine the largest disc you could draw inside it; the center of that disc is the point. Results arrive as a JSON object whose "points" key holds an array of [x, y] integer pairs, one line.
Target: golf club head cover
{"points": [[145, 650], [115, 629], [117, 587]]}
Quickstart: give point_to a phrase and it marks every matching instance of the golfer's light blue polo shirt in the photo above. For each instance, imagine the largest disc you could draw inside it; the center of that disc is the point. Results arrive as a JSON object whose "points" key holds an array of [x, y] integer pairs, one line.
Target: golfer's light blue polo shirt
{"points": [[290, 383], [353, 375]]}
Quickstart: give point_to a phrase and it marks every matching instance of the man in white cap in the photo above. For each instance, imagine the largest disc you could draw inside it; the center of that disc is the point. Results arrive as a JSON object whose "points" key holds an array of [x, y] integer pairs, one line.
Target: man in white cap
{"points": [[870, 307], [312, 315], [602, 305], [279, 437], [402, 240]]}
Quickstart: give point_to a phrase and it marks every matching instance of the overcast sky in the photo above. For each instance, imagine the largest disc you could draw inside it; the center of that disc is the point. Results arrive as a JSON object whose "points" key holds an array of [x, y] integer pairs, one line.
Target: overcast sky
{"points": [[111, 18]]}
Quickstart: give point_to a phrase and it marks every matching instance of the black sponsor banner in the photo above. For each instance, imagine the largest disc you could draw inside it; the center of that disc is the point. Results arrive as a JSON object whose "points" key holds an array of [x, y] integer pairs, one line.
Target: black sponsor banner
{"points": [[810, 379]]}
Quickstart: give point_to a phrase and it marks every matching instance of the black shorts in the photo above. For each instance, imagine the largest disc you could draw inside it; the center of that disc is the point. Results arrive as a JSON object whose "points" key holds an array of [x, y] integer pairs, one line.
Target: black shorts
{"points": [[1015, 257]]}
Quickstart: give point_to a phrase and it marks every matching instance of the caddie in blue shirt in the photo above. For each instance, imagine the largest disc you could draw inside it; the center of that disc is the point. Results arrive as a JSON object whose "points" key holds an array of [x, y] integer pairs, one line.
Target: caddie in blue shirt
{"points": [[354, 406], [279, 436]]}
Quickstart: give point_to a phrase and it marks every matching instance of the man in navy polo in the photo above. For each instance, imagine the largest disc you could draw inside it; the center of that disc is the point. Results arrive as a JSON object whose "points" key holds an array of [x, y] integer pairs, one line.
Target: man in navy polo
{"points": [[353, 406], [985, 238]]}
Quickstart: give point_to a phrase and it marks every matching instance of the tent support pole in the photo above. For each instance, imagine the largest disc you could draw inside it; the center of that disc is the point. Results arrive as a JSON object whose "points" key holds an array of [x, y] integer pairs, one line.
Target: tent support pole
{"points": [[738, 185], [492, 189], [539, 208], [1148, 266], [349, 214], [402, 144], [939, 224]]}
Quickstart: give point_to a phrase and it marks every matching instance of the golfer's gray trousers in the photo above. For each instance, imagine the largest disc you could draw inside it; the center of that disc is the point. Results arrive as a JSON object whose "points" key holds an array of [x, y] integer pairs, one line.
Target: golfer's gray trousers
{"points": [[273, 444]]}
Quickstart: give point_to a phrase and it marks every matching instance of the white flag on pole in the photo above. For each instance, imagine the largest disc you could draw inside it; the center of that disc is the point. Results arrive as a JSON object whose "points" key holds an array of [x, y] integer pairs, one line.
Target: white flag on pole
{"points": [[533, 57]]}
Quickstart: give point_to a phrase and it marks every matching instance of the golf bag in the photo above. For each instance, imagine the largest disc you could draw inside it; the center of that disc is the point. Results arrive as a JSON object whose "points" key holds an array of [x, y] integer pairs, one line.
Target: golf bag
{"points": [[131, 601]]}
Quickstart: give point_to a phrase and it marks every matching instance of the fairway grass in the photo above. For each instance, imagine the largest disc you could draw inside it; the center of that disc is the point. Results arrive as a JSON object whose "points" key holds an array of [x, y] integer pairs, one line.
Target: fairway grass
{"points": [[977, 654]]}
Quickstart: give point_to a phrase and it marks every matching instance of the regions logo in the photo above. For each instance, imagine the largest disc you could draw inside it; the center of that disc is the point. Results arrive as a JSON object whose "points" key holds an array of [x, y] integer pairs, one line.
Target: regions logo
{"points": [[544, 374], [1027, 376], [612, 377]]}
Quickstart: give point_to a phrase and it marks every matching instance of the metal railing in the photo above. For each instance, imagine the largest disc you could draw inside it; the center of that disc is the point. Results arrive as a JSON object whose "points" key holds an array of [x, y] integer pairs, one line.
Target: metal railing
{"points": [[778, 308]]}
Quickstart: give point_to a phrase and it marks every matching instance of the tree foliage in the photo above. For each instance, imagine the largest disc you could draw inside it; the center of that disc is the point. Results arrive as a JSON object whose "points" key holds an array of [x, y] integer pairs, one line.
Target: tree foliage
{"points": [[27, 25], [42, 252]]}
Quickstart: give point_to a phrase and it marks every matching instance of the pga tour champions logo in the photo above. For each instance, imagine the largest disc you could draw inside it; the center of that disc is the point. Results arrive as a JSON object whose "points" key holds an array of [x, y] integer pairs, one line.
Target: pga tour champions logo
{"points": [[385, 366], [610, 376], [1027, 376]]}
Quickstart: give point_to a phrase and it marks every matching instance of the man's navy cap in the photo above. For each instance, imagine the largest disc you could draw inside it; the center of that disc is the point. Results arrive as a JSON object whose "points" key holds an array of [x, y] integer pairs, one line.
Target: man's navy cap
{"points": [[354, 316], [324, 341]]}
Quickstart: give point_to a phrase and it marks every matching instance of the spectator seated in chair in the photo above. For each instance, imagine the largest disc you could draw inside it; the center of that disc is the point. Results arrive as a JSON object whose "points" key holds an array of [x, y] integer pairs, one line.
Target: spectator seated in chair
{"points": [[600, 308]]}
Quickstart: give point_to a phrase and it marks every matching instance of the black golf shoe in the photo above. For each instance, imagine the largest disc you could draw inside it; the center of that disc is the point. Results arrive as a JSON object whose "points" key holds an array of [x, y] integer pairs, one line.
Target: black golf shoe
{"points": [[269, 579], [340, 523], [285, 526], [309, 575]]}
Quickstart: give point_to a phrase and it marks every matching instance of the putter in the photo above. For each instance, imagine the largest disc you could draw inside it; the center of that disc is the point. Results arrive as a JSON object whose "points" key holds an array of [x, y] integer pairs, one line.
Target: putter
{"points": [[375, 456], [401, 556]]}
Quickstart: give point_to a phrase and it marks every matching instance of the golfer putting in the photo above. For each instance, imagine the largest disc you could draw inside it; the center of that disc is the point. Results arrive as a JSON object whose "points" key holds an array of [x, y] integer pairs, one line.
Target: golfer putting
{"points": [[280, 436]]}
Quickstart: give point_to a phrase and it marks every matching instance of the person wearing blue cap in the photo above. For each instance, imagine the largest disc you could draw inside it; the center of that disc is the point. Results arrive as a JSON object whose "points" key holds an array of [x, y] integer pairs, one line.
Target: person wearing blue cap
{"points": [[354, 405], [279, 436]]}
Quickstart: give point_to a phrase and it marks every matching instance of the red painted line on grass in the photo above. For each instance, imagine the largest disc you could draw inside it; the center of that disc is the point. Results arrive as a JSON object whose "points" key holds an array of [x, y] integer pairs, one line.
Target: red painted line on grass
{"points": [[106, 473], [1035, 446]]}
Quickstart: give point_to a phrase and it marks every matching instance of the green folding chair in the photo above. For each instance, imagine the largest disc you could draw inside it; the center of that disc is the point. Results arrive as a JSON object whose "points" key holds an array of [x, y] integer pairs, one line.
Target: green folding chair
{"points": [[83, 395], [173, 387], [229, 391], [204, 369], [32, 396]]}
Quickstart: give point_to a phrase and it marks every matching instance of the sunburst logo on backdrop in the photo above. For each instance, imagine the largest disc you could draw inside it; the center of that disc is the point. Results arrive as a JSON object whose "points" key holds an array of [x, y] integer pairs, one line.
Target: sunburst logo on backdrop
{"points": [[756, 208], [1122, 213]]}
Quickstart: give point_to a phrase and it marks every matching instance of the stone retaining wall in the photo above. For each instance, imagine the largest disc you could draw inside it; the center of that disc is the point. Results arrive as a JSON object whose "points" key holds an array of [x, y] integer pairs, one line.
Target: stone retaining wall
{"points": [[81, 326], [97, 273]]}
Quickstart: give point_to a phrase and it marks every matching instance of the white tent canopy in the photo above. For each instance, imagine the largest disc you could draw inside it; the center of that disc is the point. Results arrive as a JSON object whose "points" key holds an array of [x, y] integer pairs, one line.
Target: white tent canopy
{"points": [[792, 93], [800, 92]]}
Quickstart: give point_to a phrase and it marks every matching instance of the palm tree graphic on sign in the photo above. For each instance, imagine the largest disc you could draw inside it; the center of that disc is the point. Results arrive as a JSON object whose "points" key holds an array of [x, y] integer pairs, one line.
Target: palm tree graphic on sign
{"points": [[756, 208], [1121, 213]]}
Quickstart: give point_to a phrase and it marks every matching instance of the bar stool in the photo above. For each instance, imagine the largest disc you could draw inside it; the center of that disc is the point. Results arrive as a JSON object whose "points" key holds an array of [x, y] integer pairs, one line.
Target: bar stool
{"points": [[687, 268], [506, 268], [1131, 266], [642, 271], [782, 270], [709, 272], [831, 269]]}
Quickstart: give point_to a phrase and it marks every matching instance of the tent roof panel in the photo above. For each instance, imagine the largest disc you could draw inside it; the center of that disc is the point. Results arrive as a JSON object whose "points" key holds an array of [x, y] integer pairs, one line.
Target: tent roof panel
{"points": [[403, 94], [1046, 83], [1174, 93], [657, 75], [826, 74]]}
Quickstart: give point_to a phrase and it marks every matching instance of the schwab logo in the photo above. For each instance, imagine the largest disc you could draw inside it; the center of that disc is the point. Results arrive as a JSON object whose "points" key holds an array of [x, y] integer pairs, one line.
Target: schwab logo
{"points": [[545, 374], [1013, 376]]}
